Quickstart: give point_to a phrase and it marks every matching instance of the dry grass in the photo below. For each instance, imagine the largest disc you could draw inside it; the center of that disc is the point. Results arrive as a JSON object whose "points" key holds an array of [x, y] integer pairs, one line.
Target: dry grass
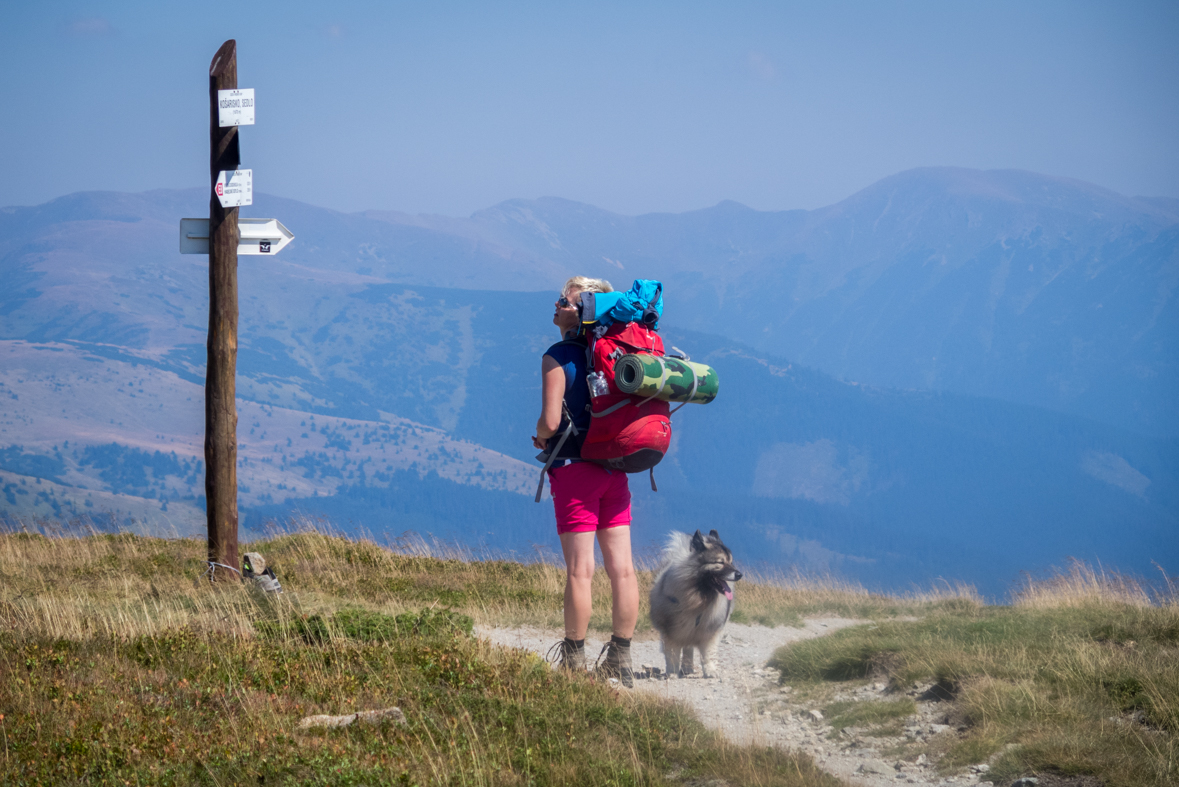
{"points": [[1078, 676], [1082, 585], [781, 598], [120, 664], [112, 585], [128, 585]]}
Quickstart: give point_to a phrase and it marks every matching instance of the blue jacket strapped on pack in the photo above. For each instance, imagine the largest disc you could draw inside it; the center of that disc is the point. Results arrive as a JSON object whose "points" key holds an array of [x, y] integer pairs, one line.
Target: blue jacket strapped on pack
{"points": [[642, 303]]}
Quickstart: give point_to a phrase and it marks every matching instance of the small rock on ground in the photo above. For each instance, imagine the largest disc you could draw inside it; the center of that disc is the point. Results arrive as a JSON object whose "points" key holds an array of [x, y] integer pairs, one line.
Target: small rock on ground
{"points": [[363, 717]]}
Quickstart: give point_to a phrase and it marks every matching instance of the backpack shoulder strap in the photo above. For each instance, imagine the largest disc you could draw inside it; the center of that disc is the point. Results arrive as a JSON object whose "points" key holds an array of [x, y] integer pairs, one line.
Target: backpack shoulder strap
{"points": [[570, 429]]}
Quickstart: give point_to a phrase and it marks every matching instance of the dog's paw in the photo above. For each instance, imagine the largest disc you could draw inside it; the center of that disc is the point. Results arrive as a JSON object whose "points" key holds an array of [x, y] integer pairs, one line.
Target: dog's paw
{"points": [[711, 670]]}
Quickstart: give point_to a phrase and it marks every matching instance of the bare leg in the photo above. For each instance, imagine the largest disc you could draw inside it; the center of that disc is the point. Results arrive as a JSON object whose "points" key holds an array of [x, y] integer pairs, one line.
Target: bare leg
{"points": [[624, 585], [579, 573]]}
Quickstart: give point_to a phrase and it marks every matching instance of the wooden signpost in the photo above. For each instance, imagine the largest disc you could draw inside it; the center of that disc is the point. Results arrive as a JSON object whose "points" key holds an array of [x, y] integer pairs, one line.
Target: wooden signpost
{"points": [[220, 388], [223, 236]]}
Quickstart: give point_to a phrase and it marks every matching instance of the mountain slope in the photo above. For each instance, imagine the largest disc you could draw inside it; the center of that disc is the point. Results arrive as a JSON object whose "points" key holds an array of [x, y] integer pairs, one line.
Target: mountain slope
{"points": [[794, 467], [342, 367], [1006, 284], [1038, 290], [116, 425]]}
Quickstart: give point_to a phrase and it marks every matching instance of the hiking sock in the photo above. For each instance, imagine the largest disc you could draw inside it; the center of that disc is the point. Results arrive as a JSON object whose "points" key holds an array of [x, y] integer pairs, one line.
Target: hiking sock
{"points": [[617, 640]]}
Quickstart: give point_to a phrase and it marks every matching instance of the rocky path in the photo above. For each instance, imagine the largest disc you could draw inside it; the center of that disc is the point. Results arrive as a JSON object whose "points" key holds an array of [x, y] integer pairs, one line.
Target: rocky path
{"points": [[746, 704]]}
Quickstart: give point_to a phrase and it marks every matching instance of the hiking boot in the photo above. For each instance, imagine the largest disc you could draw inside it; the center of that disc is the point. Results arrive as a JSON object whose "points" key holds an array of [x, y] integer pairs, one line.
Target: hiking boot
{"points": [[568, 655], [614, 662]]}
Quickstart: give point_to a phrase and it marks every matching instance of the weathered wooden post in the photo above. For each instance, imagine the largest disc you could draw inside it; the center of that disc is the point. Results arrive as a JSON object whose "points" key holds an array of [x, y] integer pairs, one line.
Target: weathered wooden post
{"points": [[220, 389]]}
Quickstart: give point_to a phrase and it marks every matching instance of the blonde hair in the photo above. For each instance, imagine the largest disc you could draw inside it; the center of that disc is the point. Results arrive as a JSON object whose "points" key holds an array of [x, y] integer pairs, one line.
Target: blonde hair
{"points": [[586, 284]]}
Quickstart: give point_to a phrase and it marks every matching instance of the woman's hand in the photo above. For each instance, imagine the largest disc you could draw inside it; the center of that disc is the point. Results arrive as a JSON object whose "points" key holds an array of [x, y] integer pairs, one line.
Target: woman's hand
{"points": [[540, 442]]}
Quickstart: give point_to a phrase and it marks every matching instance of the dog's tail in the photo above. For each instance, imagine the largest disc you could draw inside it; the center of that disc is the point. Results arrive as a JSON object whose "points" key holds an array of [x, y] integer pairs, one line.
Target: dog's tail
{"points": [[677, 548]]}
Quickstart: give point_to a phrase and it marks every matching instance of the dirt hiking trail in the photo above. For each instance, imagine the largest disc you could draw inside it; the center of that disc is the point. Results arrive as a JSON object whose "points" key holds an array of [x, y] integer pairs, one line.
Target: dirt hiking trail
{"points": [[747, 705]]}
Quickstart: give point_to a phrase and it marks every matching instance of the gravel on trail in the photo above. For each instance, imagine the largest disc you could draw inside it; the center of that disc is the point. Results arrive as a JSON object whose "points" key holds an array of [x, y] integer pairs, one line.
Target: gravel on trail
{"points": [[730, 703]]}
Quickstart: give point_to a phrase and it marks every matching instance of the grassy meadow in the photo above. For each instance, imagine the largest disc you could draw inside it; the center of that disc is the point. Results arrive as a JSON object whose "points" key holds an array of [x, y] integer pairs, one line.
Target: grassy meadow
{"points": [[120, 665], [1078, 676]]}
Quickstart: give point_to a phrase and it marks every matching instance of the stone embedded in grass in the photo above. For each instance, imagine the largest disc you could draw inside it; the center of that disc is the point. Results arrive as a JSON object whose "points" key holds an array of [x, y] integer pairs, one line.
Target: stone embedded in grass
{"points": [[816, 716], [394, 715], [875, 766]]}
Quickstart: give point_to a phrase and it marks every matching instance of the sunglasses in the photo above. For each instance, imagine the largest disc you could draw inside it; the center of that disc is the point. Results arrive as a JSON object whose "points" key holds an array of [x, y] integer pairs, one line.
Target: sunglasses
{"points": [[563, 302]]}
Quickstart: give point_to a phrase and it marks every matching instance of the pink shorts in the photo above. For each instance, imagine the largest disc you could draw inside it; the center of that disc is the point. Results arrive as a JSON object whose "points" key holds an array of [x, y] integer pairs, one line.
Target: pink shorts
{"points": [[588, 497]]}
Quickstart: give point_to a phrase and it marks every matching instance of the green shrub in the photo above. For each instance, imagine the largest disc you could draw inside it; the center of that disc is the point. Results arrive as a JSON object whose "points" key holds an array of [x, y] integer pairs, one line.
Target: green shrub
{"points": [[364, 625], [871, 712]]}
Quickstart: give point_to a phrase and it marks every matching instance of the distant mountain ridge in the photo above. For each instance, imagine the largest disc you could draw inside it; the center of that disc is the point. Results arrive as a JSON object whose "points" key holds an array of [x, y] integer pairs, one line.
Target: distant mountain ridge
{"points": [[1034, 289], [791, 465], [1039, 290], [1022, 444]]}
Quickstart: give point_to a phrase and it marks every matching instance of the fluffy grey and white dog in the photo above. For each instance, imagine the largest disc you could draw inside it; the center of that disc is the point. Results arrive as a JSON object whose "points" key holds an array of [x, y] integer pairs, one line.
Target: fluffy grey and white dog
{"points": [[692, 599]]}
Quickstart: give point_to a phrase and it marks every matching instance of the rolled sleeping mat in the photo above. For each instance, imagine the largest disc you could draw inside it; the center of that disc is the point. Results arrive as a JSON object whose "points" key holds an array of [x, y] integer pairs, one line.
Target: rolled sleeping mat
{"points": [[669, 379]]}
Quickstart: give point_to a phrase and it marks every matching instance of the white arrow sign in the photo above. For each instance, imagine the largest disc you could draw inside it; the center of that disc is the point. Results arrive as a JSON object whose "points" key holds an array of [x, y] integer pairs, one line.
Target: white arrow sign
{"points": [[235, 187], [235, 107], [255, 236], [262, 236]]}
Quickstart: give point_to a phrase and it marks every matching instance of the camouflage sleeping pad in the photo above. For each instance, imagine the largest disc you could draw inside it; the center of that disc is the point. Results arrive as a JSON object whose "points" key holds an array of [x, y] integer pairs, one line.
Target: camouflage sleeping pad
{"points": [[669, 379]]}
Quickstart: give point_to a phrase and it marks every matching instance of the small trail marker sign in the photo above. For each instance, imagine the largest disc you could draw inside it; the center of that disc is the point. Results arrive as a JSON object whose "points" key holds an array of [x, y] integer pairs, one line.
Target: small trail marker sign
{"points": [[235, 188], [255, 236], [262, 236], [194, 236], [235, 107]]}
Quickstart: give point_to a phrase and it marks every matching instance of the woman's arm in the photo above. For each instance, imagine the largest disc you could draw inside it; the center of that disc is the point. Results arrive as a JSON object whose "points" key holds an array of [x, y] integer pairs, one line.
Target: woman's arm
{"points": [[552, 394]]}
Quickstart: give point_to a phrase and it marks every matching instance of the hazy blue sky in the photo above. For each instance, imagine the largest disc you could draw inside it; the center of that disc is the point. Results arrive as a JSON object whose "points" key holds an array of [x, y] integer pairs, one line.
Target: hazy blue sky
{"points": [[634, 107]]}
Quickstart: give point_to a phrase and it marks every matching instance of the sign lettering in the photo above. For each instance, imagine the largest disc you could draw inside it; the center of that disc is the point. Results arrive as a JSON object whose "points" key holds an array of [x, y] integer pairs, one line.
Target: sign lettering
{"points": [[235, 107]]}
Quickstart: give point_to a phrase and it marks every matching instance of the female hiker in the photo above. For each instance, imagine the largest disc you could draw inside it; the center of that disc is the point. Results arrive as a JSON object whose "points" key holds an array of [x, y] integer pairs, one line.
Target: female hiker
{"points": [[588, 499]]}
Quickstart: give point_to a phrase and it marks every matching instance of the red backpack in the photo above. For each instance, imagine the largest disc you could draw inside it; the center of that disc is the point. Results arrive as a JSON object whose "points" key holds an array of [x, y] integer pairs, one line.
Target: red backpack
{"points": [[626, 433]]}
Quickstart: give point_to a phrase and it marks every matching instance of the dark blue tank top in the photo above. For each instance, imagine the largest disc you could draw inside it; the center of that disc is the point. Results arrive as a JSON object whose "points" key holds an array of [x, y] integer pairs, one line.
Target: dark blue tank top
{"points": [[570, 355]]}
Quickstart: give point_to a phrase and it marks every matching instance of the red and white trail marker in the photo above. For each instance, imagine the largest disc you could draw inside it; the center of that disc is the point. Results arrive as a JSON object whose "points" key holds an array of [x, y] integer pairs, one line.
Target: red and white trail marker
{"points": [[235, 188]]}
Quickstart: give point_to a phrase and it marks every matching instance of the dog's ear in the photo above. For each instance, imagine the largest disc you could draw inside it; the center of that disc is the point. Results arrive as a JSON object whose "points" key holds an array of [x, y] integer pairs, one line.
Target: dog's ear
{"points": [[714, 534], [697, 542]]}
